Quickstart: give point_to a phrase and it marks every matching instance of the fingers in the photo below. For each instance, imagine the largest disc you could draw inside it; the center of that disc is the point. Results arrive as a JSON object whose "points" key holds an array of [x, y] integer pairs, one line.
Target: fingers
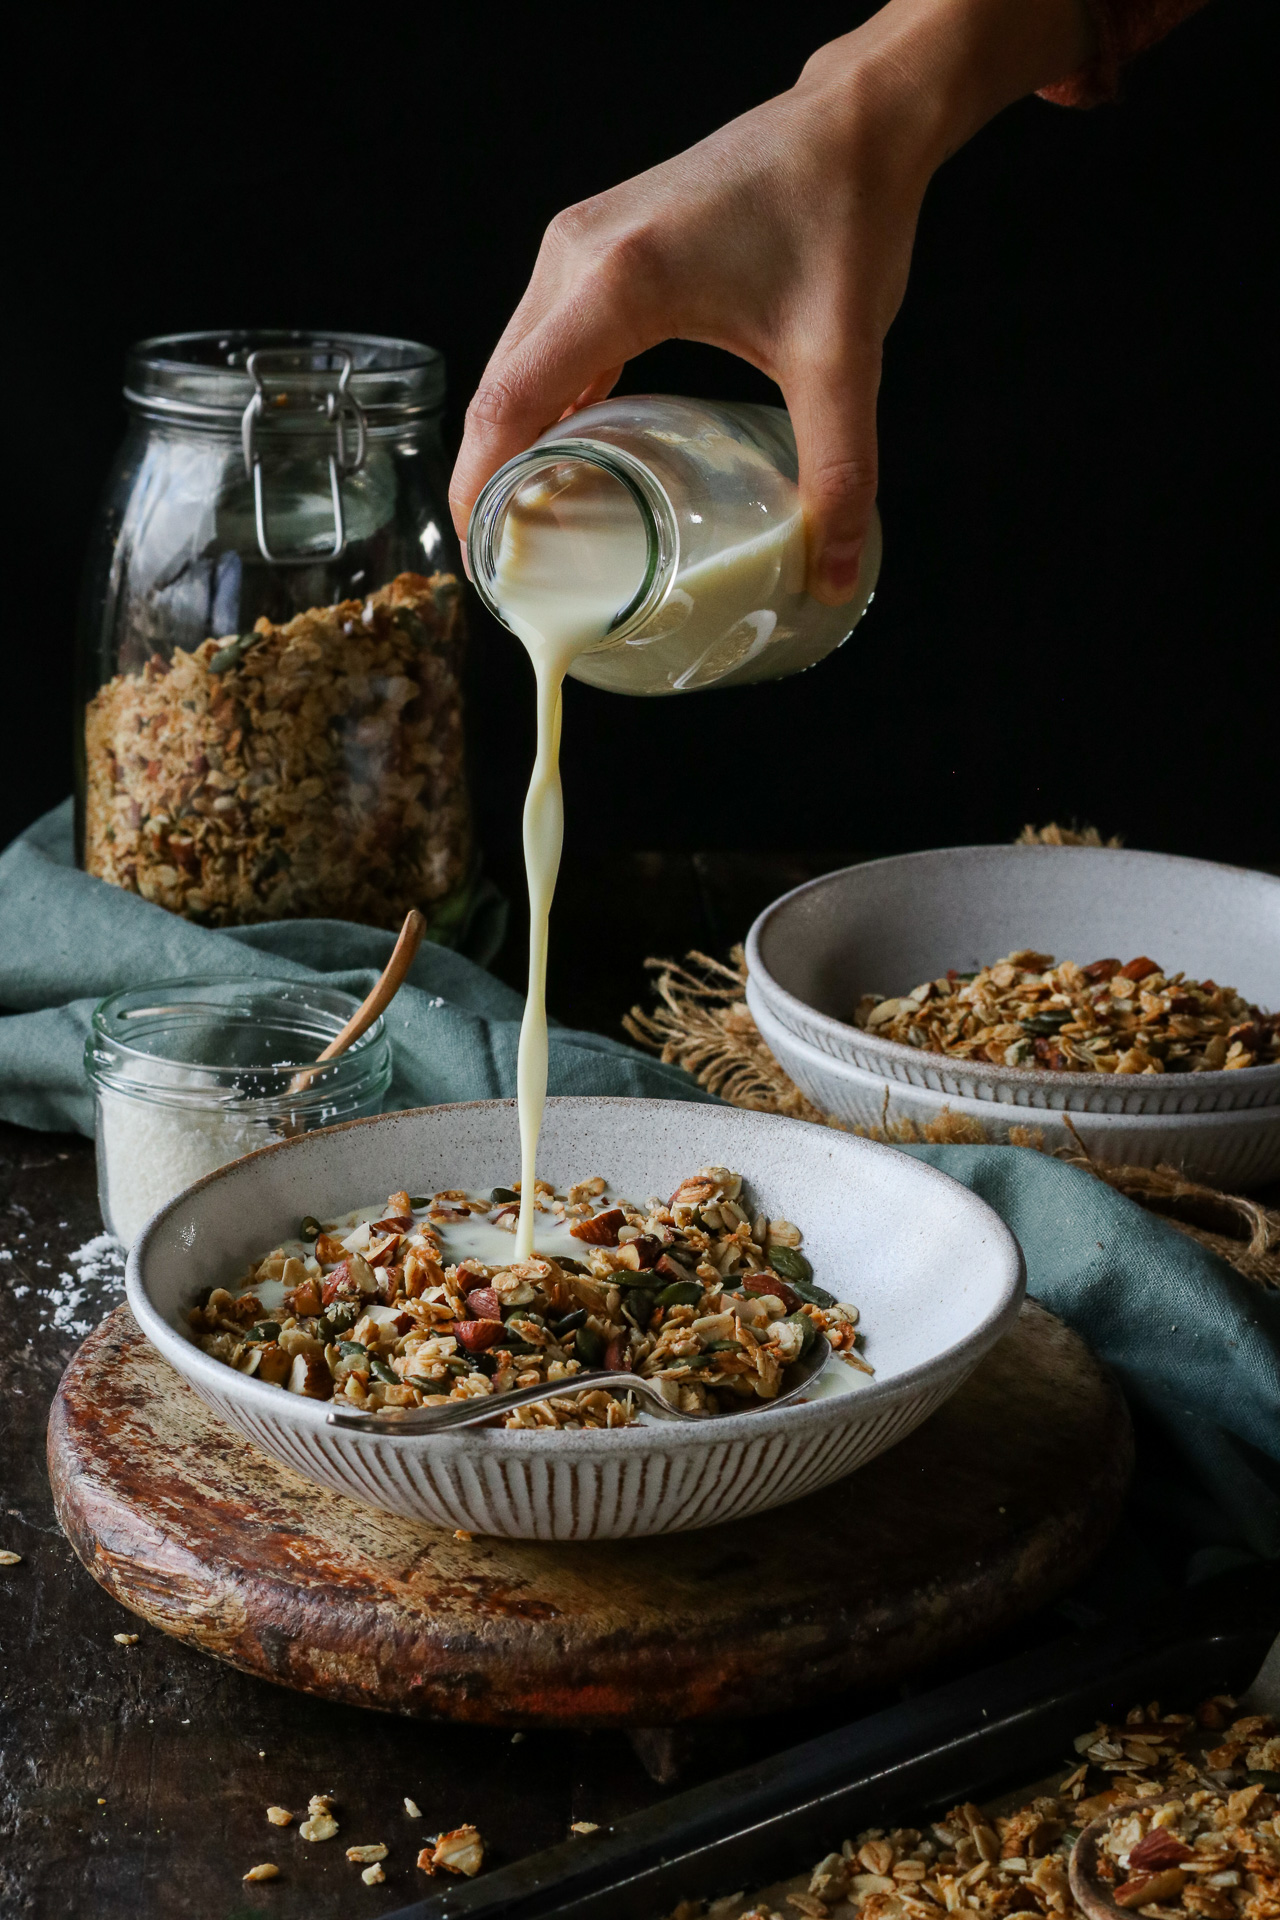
{"points": [[565, 347], [833, 410]]}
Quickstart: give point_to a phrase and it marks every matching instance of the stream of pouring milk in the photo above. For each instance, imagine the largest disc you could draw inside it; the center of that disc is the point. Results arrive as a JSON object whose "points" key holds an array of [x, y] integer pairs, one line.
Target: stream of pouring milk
{"points": [[571, 557]]}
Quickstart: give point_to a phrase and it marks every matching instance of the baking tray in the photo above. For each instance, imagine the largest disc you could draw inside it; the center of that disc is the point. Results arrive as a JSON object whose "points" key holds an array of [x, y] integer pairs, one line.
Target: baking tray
{"points": [[991, 1731]]}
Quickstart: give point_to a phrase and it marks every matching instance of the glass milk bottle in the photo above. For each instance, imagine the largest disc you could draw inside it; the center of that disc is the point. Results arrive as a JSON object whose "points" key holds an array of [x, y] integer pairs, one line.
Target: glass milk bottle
{"points": [[667, 534]]}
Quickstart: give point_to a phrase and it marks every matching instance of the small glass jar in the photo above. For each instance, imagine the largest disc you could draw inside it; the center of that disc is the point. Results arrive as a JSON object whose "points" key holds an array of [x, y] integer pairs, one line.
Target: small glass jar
{"points": [[706, 498], [189, 1074], [271, 638]]}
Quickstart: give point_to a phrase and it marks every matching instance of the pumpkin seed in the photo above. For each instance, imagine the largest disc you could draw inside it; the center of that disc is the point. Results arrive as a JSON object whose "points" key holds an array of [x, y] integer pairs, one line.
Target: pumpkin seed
{"points": [[795, 1269], [1043, 1024], [571, 1266], [503, 1196], [578, 1318], [721, 1346], [790, 1263], [310, 1227], [234, 651], [419, 1199], [265, 1330], [353, 1349], [381, 1371], [637, 1307], [681, 1293], [588, 1346], [340, 1317], [1263, 1777], [807, 1329]]}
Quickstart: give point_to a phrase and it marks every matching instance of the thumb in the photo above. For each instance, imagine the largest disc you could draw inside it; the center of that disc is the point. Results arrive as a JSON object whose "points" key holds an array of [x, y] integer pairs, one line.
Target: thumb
{"points": [[833, 411]]}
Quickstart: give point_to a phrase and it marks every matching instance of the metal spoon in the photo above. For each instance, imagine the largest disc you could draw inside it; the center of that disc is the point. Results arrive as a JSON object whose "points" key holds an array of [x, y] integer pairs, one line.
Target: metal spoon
{"points": [[478, 1412]]}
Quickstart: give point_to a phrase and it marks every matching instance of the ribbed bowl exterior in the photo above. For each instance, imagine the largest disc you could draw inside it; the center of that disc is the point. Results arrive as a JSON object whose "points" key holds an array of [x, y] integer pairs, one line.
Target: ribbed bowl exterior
{"points": [[580, 1493], [1237, 1149]]}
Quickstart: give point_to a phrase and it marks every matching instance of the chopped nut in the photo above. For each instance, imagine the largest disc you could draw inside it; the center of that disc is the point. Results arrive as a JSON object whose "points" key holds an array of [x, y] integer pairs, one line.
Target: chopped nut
{"points": [[373, 1876], [125, 1639], [460, 1533], [461, 1851], [279, 1816], [363, 1855], [321, 1826], [9, 1559], [585, 1826], [267, 1871]]}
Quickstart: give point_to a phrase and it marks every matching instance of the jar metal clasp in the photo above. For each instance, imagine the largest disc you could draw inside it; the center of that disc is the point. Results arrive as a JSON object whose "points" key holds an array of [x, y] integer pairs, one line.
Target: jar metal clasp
{"points": [[341, 409]]}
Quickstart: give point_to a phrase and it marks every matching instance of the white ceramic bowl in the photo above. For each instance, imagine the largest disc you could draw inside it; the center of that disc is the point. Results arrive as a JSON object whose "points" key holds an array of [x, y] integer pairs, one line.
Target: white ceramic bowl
{"points": [[888, 924], [937, 1276]]}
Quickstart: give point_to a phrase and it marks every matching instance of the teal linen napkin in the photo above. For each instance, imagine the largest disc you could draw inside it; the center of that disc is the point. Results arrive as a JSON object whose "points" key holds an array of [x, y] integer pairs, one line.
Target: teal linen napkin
{"points": [[1196, 1347], [67, 939]]}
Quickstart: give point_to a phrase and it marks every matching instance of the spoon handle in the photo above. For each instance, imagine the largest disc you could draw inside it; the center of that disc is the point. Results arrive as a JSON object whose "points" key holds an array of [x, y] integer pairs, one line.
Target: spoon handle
{"points": [[473, 1413], [380, 995]]}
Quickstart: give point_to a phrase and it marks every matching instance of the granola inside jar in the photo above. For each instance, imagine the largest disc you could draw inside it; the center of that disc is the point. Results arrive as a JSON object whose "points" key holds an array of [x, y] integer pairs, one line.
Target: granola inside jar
{"points": [[272, 639]]}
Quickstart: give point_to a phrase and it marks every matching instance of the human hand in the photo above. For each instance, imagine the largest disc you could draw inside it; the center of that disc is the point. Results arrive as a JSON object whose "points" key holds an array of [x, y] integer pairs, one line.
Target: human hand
{"points": [[784, 238]]}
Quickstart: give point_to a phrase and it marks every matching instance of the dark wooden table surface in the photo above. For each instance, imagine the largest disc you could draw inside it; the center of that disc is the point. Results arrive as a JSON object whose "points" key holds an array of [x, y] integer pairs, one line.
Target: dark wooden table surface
{"points": [[134, 1779]]}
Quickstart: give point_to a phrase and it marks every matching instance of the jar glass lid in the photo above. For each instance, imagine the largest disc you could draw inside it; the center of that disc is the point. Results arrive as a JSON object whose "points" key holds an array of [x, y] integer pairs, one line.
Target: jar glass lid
{"points": [[208, 379]]}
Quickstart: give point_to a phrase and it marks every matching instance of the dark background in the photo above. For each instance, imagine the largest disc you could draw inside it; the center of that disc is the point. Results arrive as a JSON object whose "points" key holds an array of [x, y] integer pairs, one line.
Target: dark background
{"points": [[1077, 610]]}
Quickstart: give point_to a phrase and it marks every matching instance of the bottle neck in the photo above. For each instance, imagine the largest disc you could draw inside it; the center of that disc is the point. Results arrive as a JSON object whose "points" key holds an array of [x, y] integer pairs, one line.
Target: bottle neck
{"points": [[565, 484]]}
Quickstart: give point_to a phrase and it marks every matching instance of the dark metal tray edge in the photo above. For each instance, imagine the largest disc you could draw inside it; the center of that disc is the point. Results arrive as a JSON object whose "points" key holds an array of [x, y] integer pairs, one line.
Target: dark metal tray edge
{"points": [[965, 1740]]}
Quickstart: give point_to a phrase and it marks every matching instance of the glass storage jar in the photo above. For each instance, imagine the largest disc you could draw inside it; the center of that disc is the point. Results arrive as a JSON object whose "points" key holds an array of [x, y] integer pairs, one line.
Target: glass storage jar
{"points": [[270, 719], [700, 506], [189, 1074]]}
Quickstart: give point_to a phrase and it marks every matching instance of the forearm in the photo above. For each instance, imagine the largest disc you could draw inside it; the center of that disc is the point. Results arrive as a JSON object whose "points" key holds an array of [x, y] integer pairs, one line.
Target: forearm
{"points": [[947, 67]]}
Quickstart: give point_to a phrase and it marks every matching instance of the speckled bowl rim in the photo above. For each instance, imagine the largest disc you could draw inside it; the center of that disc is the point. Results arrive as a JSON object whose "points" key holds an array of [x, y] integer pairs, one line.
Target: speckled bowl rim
{"points": [[951, 1363], [796, 1015]]}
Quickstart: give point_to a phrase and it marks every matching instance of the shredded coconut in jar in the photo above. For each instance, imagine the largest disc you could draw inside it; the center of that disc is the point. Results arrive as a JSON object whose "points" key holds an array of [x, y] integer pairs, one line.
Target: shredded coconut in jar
{"points": [[148, 1152]]}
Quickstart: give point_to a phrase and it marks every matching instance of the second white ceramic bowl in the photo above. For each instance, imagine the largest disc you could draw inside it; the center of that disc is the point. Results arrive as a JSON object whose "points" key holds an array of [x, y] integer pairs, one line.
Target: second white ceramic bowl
{"points": [[935, 1272], [886, 925]]}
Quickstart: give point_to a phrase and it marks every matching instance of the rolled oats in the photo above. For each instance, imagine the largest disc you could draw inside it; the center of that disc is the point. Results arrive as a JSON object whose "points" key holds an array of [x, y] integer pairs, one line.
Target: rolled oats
{"points": [[279, 1816], [1192, 1832], [267, 1871], [1106, 1017], [10, 1559], [460, 1851], [311, 769], [695, 1294]]}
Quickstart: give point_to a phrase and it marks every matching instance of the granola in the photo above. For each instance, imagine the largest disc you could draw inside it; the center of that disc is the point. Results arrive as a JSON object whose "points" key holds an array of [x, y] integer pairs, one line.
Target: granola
{"points": [[1207, 1793], [415, 1301], [1102, 1018], [310, 769]]}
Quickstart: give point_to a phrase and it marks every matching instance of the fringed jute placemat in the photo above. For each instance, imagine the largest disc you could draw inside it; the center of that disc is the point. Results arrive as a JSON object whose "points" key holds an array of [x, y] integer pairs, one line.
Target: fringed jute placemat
{"points": [[703, 1024]]}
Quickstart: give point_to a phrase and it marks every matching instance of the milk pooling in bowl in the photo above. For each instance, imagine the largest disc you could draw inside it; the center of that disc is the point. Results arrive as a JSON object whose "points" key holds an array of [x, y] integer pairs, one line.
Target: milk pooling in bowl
{"points": [[647, 546]]}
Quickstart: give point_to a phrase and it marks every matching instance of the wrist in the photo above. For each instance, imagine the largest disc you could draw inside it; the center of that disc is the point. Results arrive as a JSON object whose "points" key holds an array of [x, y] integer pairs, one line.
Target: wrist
{"points": [[946, 67]]}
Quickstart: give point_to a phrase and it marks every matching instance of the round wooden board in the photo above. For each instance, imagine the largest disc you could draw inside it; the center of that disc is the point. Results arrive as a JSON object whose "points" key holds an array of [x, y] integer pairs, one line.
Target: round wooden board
{"points": [[991, 1508]]}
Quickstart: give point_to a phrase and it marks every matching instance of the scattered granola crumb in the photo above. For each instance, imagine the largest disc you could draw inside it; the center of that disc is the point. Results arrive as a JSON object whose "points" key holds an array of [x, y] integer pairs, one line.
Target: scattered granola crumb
{"points": [[125, 1639], [585, 1826], [8, 1559], [267, 1871], [373, 1876], [320, 1803], [101, 1801], [412, 1808], [516, 1738], [363, 1855], [460, 1533], [279, 1816], [321, 1826], [461, 1851]]}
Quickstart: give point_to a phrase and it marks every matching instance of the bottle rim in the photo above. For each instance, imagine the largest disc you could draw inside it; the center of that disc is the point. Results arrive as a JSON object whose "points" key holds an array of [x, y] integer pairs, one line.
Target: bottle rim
{"points": [[202, 379], [657, 514], [115, 1064]]}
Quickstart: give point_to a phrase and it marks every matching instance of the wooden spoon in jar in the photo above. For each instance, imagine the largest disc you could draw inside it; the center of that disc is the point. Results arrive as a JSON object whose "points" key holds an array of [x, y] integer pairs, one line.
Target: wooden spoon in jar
{"points": [[379, 997]]}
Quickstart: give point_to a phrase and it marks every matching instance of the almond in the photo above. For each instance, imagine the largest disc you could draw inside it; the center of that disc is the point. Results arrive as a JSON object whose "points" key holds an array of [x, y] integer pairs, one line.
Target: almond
{"points": [[639, 1254], [771, 1283], [1148, 1888], [478, 1335], [1160, 1849], [483, 1304], [602, 1229], [328, 1249], [1139, 969]]}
